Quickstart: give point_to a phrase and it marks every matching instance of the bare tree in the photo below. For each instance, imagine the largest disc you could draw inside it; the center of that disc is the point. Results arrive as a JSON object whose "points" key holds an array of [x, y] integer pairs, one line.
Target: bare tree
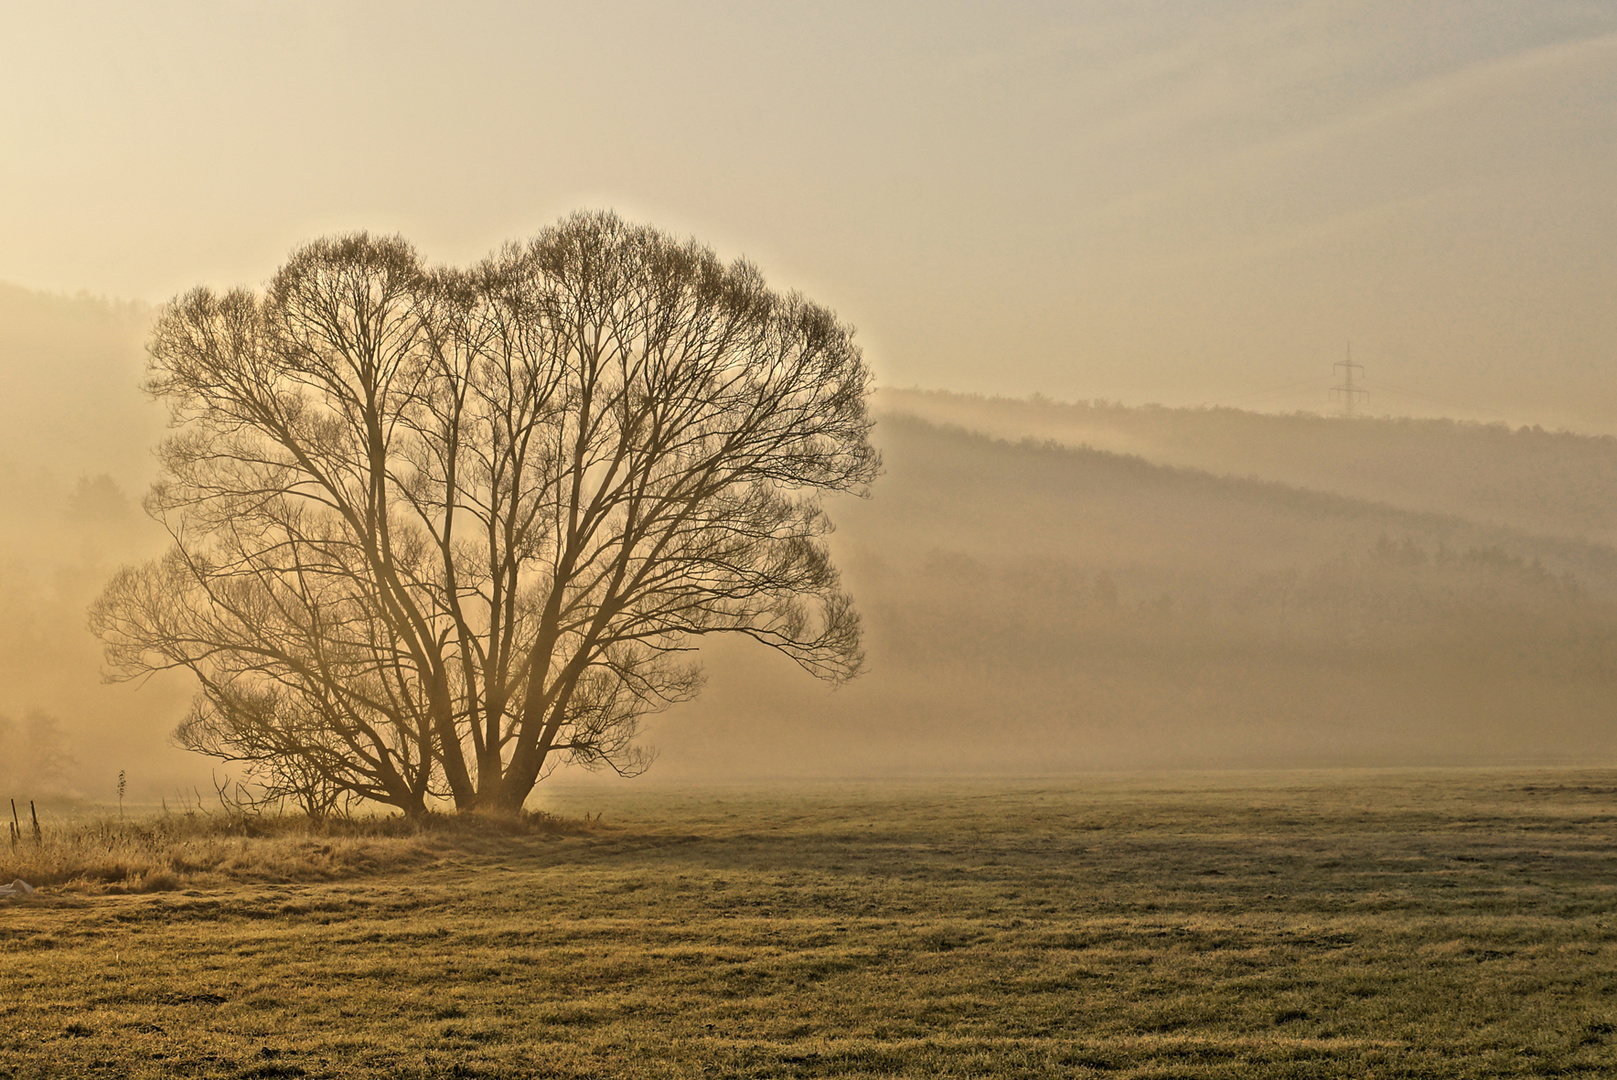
{"points": [[437, 530]]}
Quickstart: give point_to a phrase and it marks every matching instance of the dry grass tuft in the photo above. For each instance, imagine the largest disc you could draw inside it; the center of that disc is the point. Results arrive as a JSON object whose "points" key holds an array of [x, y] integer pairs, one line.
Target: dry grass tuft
{"points": [[173, 851]]}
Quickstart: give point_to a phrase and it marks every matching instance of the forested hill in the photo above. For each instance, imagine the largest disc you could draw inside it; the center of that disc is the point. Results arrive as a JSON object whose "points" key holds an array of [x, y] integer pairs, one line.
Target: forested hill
{"points": [[994, 498], [1554, 483], [1034, 607]]}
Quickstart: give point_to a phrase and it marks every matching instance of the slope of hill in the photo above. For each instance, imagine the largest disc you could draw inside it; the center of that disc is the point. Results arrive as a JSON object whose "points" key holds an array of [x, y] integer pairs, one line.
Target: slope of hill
{"points": [[1554, 483], [975, 493], [1032, 606]]}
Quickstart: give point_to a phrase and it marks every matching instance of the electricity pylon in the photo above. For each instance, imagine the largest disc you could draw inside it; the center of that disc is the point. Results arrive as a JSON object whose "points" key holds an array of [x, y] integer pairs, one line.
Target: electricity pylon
{"points": [[1349, 392]]}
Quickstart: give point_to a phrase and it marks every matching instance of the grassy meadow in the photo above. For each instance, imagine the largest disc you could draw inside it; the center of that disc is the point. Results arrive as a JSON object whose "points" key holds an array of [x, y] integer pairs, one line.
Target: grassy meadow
{"points": [[1376, 923]]}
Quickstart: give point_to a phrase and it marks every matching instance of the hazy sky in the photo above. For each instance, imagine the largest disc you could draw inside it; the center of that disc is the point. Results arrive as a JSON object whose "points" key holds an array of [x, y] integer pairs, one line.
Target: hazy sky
{"points": [[1178, 202]]}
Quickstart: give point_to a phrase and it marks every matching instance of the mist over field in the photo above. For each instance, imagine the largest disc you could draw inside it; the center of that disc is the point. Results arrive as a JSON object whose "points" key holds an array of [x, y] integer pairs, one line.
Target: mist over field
{"points": [[76, 440], [1045, 587], [1041, 606]]}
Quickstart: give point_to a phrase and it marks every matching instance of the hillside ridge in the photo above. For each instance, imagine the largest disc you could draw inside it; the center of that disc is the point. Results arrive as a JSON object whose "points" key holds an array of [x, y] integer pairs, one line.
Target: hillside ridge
{"points": [[1134, 470], [1538, 482]]}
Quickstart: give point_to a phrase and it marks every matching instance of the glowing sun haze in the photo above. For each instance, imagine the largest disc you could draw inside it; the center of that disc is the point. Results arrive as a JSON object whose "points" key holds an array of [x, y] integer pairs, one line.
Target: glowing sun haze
{"points": [[1147, 201]]}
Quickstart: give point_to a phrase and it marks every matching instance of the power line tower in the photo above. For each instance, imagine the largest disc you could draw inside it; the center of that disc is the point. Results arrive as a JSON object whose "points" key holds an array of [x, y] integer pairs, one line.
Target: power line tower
{"points": [[1349, 392]]}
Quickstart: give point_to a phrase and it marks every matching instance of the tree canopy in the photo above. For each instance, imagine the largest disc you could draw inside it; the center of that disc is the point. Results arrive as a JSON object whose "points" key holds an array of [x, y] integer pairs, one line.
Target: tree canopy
{"points": [[437, 530]]}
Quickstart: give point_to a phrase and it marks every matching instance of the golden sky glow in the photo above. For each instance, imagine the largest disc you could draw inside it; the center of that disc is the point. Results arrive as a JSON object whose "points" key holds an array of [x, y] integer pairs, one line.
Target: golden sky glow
{"points": [[1147, 201]]}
